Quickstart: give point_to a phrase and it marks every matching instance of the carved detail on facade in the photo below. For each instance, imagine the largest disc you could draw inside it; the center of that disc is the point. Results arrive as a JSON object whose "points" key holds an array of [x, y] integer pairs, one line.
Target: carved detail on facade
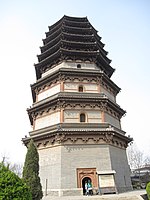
{"points": [[65, 138], [103, 106], [87, 172], [108, 138], [61, 77], [59, 138], [61, 104], [99, 80]]}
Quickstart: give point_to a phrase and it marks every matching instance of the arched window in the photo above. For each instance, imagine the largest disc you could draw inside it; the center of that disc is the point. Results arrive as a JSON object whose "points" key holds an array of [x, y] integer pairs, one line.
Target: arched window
{"points": [[80, 89], [78, 66], [82, 117]]}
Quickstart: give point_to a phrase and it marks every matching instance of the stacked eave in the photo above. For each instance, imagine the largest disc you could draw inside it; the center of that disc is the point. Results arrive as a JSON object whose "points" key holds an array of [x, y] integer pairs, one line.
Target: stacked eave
{"points": [[100, 100], [72, 39], [96, 132], [73, 73]]}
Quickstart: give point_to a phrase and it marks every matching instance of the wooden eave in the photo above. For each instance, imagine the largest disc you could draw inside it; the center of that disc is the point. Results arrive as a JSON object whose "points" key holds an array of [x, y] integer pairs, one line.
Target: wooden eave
{"points": [[116, 108], [54, 29], [61, 97], [68, 29], [103, 57], [111, 83], [64, 71], [80, 53], [48, 60], [77, 24], [73, 97], [56, 23], [50, 43], [73, 40], [76, 19], [49, 51], [124, 137], [68, 45], [35, 109], [83, 38], [65, 42], [78, 129], [78, 37], [105, 66], [91, 73], [77, 30], [90, 46], [76, 73], [66, 19], [52, 36], [73, 36], [100, 46], [41, 82], [63, 54], [61, 51]]}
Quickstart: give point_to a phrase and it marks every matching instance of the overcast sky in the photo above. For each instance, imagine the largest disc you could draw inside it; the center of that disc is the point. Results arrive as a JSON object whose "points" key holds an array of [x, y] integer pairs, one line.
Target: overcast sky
{"points": [[125, 30]]}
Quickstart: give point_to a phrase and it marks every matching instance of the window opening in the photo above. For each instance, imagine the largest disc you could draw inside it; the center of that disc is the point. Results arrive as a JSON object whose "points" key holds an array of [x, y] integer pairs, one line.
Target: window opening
{"points": [[82, 117], [78, 66], [80, 88]]}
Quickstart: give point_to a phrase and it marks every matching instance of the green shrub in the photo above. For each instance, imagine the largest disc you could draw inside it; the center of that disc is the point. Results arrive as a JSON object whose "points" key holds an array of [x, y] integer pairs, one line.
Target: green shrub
{"points": [[148, 190], [11, 186]]}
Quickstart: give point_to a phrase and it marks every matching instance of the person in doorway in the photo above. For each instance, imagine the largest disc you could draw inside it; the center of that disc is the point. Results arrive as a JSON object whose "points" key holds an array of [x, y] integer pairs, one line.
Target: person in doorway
{"points": [[86, 188], [90, 191]]}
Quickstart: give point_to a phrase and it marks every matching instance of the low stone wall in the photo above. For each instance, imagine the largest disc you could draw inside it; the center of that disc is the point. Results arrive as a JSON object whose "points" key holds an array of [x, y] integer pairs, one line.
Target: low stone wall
{"points": [[64, 192], [137, 195], [100, 198]]}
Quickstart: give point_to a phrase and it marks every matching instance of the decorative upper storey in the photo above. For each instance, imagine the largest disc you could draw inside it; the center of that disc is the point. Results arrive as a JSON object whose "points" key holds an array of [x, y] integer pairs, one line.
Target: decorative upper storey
{"points": [[72, 39]]}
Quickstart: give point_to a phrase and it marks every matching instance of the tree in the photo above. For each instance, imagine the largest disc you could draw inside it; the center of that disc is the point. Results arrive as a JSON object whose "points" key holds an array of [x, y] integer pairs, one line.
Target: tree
{"points": [[148, 190], [147, 161], [135, 157], [11, 186], [14, 167], [31, 172]]}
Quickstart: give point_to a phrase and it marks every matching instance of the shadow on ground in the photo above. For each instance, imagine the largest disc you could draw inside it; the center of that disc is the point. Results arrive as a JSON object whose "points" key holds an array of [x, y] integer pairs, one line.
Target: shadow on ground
{"points": [[144, 196]]}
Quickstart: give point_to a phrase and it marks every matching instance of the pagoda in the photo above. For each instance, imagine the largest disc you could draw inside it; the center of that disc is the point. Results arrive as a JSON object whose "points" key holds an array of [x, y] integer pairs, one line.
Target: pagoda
{"points": [[74, 116]]}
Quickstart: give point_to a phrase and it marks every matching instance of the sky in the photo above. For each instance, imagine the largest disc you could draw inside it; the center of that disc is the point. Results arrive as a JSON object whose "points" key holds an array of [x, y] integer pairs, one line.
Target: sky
{"points": [[125, 30]]}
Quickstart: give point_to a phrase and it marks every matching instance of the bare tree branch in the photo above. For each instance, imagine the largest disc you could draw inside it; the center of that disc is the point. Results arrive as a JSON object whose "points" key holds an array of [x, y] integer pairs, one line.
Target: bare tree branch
{"points": [[135, 157]]}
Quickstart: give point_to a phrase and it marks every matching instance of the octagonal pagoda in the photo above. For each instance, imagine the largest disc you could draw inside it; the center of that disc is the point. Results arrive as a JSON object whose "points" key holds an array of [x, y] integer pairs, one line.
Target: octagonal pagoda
{"points": [[74, 115]]}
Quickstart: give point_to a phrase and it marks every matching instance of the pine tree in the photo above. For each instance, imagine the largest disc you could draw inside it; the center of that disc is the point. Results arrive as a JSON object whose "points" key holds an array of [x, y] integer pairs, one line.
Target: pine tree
{"points": [[31, 172]]}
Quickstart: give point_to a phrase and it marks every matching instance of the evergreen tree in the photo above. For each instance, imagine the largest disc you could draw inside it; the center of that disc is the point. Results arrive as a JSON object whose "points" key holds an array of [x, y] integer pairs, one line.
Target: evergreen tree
{"points": [[11, 186], [31, 172]]}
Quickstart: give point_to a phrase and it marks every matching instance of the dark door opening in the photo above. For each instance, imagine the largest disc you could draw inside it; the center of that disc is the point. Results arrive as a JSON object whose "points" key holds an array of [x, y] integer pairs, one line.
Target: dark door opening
{"points": [[84, 180]]}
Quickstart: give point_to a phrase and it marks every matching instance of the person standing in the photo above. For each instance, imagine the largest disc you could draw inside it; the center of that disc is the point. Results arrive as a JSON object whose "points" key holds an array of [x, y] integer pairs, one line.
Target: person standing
{"points": [[90, 191], [86, 188]]}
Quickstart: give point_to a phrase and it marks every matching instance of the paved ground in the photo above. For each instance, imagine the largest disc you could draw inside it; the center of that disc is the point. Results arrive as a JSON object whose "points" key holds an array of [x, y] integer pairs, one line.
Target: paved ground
{"points": [[132, 195]]}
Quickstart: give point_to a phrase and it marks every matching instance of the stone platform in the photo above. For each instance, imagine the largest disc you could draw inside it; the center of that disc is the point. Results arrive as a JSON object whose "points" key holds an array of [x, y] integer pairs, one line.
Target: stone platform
{"points": [[133, 195]]}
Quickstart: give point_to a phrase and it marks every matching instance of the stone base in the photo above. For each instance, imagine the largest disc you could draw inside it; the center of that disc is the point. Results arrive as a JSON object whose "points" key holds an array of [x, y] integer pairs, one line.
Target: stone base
{"points": [[124, 189], [108, 190], [64, 192]]}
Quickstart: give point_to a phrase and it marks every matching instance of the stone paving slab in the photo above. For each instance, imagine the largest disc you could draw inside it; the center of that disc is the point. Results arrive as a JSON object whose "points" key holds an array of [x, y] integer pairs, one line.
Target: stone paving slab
{"points": [[132, 195]]}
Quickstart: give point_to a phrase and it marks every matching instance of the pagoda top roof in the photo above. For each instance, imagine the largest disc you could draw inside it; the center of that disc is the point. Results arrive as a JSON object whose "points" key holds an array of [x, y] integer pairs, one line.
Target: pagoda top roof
{"points": [[73, 39]]}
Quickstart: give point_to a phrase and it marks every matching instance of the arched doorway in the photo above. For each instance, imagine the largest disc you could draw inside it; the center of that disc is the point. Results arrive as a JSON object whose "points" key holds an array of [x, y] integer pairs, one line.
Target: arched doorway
{"points": [[84, 180], [85, 174]]}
